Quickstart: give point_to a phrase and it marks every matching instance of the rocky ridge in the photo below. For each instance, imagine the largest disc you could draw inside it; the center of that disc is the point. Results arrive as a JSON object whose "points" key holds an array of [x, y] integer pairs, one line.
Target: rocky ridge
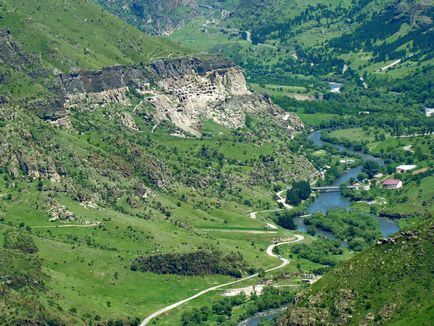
{"points": [[183, 91]]}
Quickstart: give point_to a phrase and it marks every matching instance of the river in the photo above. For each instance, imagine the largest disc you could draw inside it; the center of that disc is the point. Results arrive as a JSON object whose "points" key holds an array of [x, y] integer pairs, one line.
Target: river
{"points": [[258, 317], [322, 203], [329, 200]]}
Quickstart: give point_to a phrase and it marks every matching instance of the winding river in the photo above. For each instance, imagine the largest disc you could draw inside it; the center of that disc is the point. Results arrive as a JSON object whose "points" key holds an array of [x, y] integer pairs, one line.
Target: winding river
{"points": [[322, 203], [329, 200]]}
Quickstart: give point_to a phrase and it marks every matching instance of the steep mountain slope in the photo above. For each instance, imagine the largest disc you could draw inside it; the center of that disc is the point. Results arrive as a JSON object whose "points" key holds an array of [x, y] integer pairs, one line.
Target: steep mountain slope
{"points": [[390, 283], [155, 17], [70, 35]]}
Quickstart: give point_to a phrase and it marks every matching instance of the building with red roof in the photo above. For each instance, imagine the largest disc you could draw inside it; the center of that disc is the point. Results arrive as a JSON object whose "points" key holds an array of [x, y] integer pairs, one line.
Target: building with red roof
{"points": [[392, 184]]}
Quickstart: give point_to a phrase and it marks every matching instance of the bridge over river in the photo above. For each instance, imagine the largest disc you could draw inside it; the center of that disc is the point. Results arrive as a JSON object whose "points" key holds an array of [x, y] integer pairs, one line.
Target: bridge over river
{"points": [[331, 188]]}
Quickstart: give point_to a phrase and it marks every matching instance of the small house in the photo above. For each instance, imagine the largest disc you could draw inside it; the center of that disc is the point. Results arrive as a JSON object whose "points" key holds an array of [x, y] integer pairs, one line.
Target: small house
{"points": [[356, 185], [392, 184], [405, 168]]}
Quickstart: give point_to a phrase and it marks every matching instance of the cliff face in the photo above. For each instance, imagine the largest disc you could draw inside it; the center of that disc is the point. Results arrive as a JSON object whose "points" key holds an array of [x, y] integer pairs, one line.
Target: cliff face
{"points": [[184, 91]]}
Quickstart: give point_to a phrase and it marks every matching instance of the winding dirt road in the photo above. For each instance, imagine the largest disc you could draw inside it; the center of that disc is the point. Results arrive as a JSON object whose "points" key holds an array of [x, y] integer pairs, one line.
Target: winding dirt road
{"points": [[269, 252], [282, 200]]}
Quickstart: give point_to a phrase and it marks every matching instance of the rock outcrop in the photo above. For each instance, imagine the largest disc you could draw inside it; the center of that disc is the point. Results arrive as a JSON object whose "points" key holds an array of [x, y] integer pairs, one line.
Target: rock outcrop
{"points": [[10, 53], [185, 91]]}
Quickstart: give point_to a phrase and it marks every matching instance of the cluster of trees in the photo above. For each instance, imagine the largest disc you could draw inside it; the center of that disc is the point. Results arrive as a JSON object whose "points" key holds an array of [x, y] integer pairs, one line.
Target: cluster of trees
{"points": [[194, 263], [359, 229], [370, 168], [271, 298], [285, 219], [222, 309], [320, 251], [357, 195], [299, 191]]}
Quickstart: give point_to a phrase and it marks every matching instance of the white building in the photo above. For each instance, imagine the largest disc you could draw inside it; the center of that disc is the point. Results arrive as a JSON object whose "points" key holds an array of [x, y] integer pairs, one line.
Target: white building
{"points": [[405, 168], [429, 112]]}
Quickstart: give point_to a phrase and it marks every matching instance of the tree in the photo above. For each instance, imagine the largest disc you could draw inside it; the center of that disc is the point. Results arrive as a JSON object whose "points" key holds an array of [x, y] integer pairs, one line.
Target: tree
{"points": [[311, 229], [362, 176], [300, 191], [304, 189], [293, 197], [286, 221], [370, 167]]}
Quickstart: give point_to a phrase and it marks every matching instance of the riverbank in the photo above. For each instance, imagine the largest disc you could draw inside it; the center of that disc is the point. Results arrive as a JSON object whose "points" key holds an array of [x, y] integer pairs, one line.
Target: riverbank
{"points": [[323, 202], [331, 200]]}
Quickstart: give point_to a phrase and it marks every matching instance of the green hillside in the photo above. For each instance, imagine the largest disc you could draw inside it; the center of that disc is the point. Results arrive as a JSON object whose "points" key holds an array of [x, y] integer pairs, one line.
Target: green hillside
{"points": [[390, 283], [89, 194], [367, 43], [154, 17], [70, 35], [120, 194]]}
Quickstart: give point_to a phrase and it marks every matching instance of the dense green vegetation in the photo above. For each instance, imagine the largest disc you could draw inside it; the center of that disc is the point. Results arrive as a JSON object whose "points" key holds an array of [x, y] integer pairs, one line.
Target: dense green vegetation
{"points": [[194, 263], [292, 41], [321, 251], [299, 191], [229, 311], [359, 229], [285, 219], [86, 201]]}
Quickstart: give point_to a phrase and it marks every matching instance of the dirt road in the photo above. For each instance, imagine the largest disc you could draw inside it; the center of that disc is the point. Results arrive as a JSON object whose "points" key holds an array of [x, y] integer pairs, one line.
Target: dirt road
{"points": [[269, 252]]}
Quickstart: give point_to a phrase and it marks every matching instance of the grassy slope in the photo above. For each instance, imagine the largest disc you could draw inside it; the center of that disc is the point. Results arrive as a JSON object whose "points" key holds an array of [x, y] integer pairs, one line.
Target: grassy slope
{"points": [[91, 264], [79, 34], [84, 262], [387, 282]]}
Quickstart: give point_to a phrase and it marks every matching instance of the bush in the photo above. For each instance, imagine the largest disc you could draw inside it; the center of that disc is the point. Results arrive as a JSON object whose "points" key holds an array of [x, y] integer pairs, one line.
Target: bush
{"points": [[19, 240]]}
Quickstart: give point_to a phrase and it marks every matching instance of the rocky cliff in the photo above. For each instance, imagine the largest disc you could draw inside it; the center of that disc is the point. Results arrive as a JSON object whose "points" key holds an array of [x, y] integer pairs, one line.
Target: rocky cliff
{"points": [[183, 91]]}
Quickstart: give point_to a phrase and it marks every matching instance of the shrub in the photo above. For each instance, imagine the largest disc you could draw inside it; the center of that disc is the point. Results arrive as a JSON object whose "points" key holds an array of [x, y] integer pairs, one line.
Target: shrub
{"points": [[21, 241], [195, 263]]}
